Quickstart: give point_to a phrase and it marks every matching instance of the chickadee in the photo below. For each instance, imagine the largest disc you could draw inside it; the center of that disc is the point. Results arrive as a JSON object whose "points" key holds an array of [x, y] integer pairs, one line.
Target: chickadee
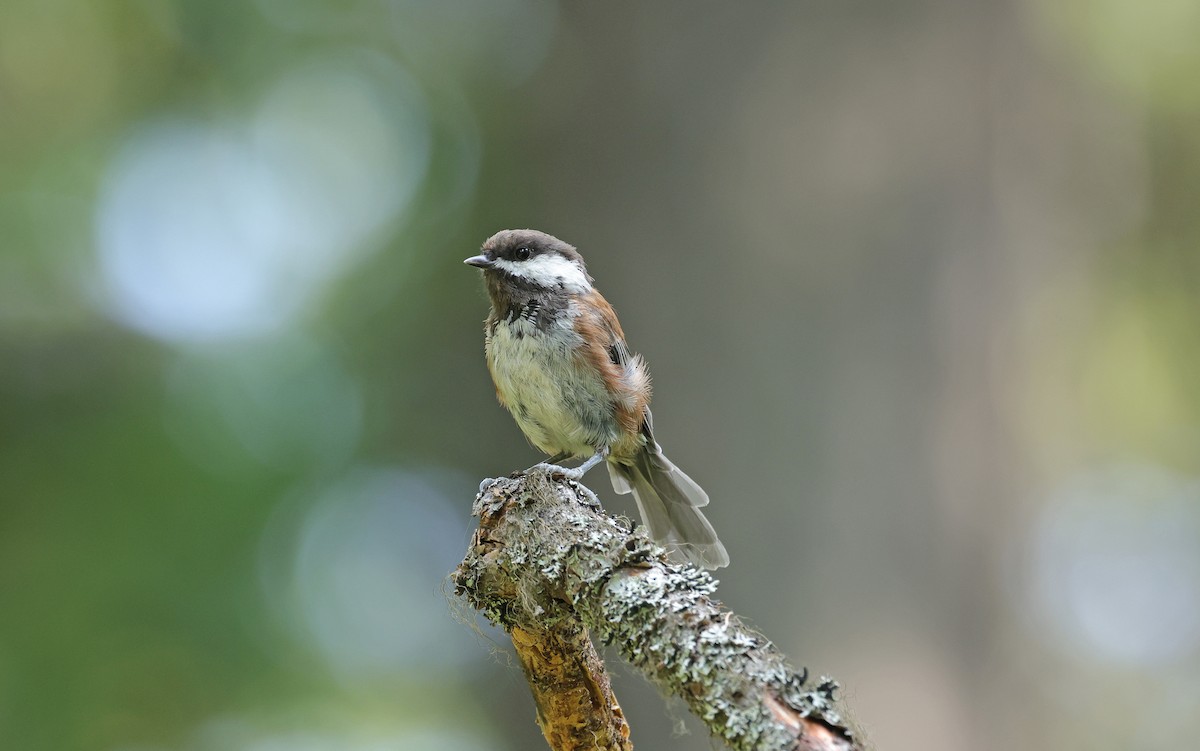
{"points": [[558, 358]]}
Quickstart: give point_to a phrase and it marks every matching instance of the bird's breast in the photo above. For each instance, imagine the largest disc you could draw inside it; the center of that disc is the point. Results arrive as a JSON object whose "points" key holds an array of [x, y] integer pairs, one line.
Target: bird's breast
{"points": [[559, 404]]}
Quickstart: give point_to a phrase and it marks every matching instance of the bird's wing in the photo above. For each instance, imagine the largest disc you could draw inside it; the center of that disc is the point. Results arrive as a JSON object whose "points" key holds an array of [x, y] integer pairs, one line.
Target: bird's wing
{"points": [[604, 349]]}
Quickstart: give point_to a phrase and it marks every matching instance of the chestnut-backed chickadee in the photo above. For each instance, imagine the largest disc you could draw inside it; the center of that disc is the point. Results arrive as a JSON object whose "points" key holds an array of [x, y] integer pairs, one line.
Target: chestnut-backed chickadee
{"points": [[560, 364]]}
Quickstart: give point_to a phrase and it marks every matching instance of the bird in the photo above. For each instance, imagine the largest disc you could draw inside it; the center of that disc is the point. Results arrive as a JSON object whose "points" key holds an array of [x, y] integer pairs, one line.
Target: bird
{"points": [[560, 365]]}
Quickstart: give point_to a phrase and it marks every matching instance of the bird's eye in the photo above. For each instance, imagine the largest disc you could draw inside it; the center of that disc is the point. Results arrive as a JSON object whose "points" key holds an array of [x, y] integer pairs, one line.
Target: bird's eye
{"points": [[523, 253]]}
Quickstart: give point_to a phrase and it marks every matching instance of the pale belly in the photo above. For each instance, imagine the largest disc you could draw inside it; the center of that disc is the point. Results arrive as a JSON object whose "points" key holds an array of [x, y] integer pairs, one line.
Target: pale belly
{"points": [[558, 405]]}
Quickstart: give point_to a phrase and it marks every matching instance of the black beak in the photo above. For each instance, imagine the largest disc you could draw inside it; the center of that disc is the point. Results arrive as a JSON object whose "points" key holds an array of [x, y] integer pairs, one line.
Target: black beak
{"points": [[481, 261]]}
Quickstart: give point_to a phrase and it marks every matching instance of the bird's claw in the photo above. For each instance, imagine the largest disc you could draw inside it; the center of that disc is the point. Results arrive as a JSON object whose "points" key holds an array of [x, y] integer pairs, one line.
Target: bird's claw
{"points": [[572, 475], [585, 493], [554, 471]]}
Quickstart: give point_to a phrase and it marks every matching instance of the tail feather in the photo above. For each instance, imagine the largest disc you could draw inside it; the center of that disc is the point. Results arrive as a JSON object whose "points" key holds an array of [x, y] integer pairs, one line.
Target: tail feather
{"points": [[669, 502]]}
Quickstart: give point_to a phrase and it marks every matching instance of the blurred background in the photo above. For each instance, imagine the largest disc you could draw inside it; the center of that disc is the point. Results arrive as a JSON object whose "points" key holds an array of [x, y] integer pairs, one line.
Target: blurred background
{"points": [[919, 284]]}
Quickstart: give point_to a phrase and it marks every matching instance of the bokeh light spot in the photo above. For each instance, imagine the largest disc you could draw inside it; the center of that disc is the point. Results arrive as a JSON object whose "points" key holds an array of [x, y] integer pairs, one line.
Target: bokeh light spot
{"points": [[367, 565], [225, 230], [1116, 568]]}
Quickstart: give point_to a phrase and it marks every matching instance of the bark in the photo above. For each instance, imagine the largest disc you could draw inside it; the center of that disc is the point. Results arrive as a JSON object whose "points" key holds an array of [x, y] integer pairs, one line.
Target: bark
{"points": [[549, 565]]}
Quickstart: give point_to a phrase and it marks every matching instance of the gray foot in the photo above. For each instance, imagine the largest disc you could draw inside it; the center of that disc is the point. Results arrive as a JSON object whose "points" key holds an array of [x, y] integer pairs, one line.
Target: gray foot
{"points": [[552, 471]]}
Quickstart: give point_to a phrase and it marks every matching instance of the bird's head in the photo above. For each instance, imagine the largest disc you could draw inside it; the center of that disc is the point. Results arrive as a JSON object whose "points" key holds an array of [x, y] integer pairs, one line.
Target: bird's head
{"points": [[529, 257]]}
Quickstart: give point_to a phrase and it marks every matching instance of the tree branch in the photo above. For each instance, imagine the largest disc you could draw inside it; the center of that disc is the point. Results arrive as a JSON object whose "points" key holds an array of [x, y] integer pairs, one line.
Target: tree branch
{"points": [[547, 564]]}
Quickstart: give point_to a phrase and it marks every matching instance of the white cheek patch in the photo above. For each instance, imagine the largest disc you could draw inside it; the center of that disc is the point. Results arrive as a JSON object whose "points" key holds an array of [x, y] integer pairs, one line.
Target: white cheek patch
{"points": [[548, 270]]}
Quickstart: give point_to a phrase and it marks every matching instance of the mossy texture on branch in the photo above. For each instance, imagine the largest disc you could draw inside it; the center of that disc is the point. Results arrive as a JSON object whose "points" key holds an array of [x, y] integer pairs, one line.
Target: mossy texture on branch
{"points": [[547, 557]]}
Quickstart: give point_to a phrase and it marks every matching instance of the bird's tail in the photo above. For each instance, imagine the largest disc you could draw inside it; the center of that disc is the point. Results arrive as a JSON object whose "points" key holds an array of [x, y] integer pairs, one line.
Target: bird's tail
{"points": [[670, 502]]}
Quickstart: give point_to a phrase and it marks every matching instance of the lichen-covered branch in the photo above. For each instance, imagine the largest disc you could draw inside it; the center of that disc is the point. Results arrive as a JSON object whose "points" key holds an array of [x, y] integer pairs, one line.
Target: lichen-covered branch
{"points": [[547, 560]]}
